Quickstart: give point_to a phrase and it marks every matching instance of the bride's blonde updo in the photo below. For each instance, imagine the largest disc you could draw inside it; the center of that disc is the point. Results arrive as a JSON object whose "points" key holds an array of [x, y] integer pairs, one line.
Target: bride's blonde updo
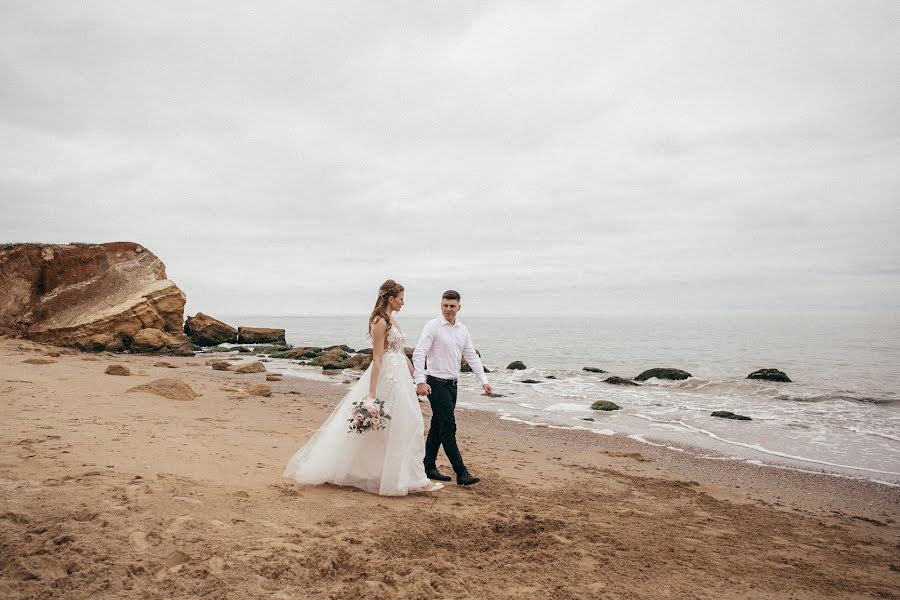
{"points": [[388, 289]]}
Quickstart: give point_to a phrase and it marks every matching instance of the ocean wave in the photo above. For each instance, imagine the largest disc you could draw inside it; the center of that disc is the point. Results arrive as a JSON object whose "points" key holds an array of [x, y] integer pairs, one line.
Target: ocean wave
{"points": [[830, 397]]}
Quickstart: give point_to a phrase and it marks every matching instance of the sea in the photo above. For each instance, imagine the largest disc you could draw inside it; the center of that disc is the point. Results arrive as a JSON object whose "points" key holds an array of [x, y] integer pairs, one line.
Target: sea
{"points": [[839, 415]]}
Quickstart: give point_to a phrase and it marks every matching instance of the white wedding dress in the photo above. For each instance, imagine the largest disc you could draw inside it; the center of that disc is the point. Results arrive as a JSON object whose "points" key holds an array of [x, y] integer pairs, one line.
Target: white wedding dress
{"points": [[382, 461]]}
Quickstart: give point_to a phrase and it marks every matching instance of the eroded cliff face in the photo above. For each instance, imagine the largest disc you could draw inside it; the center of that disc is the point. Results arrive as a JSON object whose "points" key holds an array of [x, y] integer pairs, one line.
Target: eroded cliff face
{"points": [[90, 296]]}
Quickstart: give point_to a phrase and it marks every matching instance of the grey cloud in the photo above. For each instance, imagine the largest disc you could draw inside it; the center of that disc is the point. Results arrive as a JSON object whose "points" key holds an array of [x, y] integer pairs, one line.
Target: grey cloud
{"points": [[580, 156]]}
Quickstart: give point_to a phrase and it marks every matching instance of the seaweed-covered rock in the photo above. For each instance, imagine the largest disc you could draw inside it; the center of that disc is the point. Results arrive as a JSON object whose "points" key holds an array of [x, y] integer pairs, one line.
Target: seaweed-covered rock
{"points": [[724, 414], [593, 370], [343, 347], [516, 365], [676, 374], [529, 381], [770, 375], [605, 405]]}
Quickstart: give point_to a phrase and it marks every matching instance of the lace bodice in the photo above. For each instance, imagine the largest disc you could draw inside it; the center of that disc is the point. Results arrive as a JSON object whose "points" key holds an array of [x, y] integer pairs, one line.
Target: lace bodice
{"points": [[395, 339]]}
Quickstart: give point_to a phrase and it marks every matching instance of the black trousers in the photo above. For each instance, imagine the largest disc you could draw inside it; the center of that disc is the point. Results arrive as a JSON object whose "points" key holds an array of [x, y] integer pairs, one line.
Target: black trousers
{"points": [[443, 424]]}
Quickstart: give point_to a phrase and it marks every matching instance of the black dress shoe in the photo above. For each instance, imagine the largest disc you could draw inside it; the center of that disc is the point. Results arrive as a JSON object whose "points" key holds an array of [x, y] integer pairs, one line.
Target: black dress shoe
{"points": [[436, 475], [466, 478]]}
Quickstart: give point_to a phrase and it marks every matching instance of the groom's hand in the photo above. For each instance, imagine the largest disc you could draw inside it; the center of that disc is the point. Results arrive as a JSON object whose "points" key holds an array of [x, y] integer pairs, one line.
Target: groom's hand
{"points": [[423, 389], [488, 389]]}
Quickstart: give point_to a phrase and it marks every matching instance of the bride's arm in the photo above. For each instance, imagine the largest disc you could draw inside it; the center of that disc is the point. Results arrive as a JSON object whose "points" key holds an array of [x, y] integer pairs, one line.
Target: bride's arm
{"points": [[379, 332]]}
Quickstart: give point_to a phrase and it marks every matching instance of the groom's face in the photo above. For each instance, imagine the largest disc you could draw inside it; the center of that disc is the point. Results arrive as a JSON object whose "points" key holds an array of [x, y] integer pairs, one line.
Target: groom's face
{"points": [[449, 308]]}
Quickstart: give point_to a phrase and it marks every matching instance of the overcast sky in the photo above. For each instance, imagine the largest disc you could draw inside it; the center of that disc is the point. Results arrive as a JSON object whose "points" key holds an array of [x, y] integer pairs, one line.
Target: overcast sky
{"points": [[540, 157]]}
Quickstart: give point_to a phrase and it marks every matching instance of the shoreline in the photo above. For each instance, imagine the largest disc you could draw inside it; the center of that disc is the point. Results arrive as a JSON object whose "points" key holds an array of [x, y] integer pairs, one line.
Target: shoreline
{"points": [[792, 463], [132, 495]]}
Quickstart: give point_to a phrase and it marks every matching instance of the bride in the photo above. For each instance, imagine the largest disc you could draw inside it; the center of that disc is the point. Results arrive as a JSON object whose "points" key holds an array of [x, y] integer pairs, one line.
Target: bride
{"points": [[381, 461]]}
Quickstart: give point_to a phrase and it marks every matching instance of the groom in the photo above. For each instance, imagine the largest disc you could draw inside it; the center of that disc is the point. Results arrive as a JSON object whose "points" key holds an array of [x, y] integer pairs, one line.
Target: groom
{"points": [[444, 340]]}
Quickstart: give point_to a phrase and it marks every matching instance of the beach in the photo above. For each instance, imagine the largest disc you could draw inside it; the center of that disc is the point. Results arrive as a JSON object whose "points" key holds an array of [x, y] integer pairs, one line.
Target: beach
{"points": [[110, 493]]}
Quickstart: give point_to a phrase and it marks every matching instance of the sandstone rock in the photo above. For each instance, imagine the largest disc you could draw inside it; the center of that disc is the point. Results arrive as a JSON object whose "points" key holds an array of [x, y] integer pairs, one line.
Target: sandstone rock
{"points": [[619, 381], [105, 342], [91, 358], [770, 375], [676, 374], [273, 377], [118, 370], [148, 340], [52, 353], [219, 365], [88, 296], [605, 405], [172, 388], [254, 367], [260, 389], [207, 331], [44, 360], [516, 365], [259, 335], [165, 365]]}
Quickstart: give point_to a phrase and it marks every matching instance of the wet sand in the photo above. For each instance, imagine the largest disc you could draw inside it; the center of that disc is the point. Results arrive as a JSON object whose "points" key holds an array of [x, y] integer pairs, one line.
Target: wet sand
{"points": [[105, 493]]}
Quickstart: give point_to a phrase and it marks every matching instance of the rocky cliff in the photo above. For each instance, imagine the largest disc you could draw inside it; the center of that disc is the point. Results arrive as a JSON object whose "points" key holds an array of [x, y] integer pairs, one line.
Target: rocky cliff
{"points": [[90, 296]]}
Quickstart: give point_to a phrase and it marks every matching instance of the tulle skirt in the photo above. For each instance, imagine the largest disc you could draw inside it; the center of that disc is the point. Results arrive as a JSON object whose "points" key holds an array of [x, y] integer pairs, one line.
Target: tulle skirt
{"points": [[385, 461]]}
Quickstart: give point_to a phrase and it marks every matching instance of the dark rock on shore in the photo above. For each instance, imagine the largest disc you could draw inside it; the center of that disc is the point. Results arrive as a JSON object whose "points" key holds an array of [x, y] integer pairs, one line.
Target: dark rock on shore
{"points": [[770, 375], [593, 370], [465, 367], [343, 347], [529, 381], [260, 335], [207, 331], [605, 405], [516, 365], [615, 380], [724, 414], [676, 374]]}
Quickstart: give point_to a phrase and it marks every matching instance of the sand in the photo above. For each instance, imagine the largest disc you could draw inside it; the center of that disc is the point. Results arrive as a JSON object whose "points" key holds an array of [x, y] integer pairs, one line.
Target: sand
{"points": [[108, 494]]}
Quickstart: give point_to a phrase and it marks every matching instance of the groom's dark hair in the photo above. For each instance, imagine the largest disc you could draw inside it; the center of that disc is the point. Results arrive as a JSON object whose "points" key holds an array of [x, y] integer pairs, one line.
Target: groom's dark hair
{"points": [[450, 295]]}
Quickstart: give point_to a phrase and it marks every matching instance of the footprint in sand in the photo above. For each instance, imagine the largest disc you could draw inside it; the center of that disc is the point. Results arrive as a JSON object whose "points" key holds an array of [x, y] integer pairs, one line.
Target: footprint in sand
{"points": [[178, 523], [188, 500], [139, 540]]}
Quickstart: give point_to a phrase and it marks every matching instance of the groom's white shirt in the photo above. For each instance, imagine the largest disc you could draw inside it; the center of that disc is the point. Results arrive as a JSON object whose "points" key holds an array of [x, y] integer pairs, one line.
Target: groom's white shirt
{"points": [[444, 344]]}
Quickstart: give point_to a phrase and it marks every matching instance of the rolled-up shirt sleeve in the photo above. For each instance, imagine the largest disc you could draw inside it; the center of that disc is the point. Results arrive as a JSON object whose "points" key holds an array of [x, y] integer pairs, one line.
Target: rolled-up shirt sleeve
{"points": [[421, 351], [474, 360]]}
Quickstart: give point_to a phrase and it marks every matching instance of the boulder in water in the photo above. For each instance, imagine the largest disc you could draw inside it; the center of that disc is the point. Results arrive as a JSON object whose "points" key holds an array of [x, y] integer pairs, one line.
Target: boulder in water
{"points": [[605, 405], [724, 414], [516, 365], [770, 375], [593, 370], [676, 374]]}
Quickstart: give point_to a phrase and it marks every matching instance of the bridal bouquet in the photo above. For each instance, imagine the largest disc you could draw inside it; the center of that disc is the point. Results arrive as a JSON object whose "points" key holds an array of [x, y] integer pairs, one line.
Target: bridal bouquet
{"points": [[368, 414]]}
